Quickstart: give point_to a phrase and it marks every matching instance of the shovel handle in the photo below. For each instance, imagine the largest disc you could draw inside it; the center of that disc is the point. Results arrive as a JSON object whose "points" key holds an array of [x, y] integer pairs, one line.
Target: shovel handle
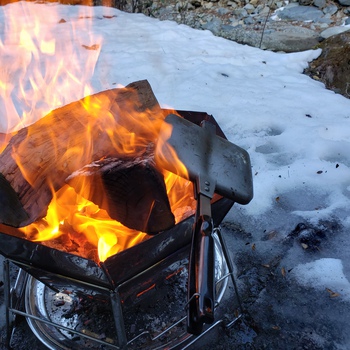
{"points": [[201, 276]]}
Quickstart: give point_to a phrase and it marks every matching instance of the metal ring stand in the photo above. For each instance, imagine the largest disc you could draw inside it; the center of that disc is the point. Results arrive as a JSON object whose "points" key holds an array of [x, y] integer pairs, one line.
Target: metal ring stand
{"points": [[14, 296]]}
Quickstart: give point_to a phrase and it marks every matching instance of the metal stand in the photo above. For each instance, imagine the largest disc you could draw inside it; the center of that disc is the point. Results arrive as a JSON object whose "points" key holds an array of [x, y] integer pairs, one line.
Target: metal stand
{"points": [[14, 297]]}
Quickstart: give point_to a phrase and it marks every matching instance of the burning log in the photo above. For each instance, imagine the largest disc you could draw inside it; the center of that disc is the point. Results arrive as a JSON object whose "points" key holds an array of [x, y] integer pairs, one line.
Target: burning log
{"points": [[40, 157], [11, 207], [131, 190]]}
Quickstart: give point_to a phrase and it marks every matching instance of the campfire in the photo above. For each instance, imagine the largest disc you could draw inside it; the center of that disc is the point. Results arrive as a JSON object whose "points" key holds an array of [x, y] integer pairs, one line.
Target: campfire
{"points": [[84, 176], [112, 191]]}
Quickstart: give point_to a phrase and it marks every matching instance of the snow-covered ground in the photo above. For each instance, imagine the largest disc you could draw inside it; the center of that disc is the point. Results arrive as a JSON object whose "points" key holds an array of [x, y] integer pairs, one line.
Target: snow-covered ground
{"points": [[296, 132]]}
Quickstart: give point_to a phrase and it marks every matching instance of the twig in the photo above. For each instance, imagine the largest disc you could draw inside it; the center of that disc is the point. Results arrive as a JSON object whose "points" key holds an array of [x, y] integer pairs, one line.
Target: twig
{"points": [[267, 17]]}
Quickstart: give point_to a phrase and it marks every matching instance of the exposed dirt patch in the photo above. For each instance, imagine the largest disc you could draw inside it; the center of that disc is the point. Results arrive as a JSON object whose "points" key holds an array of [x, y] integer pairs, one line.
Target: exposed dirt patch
{"points": [[332, 67]]}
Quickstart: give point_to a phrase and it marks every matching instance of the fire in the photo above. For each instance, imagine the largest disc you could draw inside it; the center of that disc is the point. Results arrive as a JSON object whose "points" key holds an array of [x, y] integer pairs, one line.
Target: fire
{"points": [[48, 71], [44, 70], [70, 211]]}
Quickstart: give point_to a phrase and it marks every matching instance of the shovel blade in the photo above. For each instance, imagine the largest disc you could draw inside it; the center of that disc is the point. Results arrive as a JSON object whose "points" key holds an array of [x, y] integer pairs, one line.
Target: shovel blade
{"points": [[201, 153]]}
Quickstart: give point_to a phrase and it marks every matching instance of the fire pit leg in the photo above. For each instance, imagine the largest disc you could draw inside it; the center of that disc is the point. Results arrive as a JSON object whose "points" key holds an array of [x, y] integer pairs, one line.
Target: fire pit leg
{"points": [[13, 299], [9, 323], [230, 269], [118, 318]]}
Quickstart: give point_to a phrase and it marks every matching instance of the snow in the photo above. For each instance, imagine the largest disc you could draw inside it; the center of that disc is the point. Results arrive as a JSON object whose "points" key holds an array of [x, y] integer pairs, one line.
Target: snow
{"points": [[296, 132], [323, 273]]}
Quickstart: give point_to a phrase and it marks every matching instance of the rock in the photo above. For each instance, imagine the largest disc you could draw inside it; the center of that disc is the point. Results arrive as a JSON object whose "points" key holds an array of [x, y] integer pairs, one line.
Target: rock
{"points": [[265, 11], [289, 28], [344, 2], [208, 5], [330, 9], [326, 19], [249, 8], [249, 20], [240, 13], [291, 39], [213, 26], [323, 26], [332, 66], [285, 38], [300, 13], [222, 11], [305, 2], [333, 31], [320, 3]]}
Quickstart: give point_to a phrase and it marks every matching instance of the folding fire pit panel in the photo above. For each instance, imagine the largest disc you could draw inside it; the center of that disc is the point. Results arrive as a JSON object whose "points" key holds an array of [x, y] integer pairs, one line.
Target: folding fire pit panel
{"points": [[136, 259], [46, 264], [43, 262]]}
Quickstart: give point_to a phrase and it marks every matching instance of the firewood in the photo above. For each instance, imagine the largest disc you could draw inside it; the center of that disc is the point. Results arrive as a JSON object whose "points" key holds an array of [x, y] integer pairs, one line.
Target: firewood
{"points": [[11, 207], [131, 190], [39, 158]]}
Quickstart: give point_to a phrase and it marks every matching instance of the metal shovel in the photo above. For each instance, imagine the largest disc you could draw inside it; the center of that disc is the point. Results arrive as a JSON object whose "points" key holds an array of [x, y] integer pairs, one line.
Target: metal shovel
{"points": [[213, 164]]}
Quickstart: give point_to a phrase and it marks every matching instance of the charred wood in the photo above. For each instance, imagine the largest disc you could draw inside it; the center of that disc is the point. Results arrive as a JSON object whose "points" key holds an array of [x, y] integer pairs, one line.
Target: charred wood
{"points": [[131, 190], [39, 158]]}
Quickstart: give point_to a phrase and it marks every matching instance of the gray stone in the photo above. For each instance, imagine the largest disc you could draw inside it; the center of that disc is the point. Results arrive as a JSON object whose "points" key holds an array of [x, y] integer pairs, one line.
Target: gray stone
{"points": [[285, 38], [240, 13], [344, 2], [262, 10], [259, 8], [300, 13], [208, 5], [305, 2], [347, 21], [228, 30], [330, 9], [320, 3], [233, 5], [214, 26], [165, 11], [333, 31], [291, 39], [320, 26], [325, 19], [249, 20], [249, 8], [222, 11], [323, 25]]}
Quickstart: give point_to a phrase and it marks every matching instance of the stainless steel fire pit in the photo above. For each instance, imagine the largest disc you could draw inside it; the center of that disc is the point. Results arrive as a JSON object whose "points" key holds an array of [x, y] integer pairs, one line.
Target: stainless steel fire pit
{"points": [[148, 311], [66, 296], [163, 326]]}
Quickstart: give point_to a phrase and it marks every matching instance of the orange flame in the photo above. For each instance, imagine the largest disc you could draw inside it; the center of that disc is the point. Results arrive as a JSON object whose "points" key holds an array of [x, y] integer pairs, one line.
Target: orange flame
{"points": [[43, 69], [44, 73]]}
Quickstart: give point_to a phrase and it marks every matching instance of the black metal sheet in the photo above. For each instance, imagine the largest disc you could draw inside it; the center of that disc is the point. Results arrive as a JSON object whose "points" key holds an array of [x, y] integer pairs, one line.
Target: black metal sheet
{"points": [[52, 260], [134, 260]]}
